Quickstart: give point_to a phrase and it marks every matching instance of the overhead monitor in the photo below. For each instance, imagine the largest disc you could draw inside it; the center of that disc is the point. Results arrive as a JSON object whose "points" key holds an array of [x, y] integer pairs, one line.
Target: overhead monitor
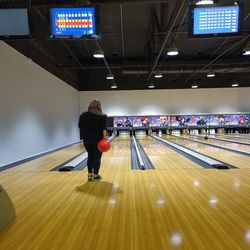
{"points": [[73, 22], [14, 22], [215, 21]]}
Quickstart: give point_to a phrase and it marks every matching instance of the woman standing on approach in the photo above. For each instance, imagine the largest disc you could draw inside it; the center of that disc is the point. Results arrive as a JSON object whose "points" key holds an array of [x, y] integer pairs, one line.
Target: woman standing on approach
{"points": [[93, 128]]}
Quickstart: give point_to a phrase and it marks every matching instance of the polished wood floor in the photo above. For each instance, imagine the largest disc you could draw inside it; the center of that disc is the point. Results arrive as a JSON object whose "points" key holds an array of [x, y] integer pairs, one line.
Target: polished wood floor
{"points": [[235, 159], [177, 206], [232, 144]]}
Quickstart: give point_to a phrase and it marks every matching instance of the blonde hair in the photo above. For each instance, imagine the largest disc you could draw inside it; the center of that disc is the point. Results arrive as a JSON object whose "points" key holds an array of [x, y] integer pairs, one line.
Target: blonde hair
{"points": [[95, 107]]}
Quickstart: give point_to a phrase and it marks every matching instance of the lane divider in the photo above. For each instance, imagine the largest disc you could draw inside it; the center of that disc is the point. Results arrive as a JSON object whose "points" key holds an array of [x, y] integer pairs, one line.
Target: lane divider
{"points": [[222, 139], [77, 162], [243, 152], [208, 161], [141, 163]]}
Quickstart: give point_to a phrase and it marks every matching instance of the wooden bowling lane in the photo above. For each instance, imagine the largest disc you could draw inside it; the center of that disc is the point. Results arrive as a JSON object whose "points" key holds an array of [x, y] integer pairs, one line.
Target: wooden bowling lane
{"points": [[234, 159], [232, 137], [173, 209], [163, 157], [221, 143], [50, 161], [118, 156]]}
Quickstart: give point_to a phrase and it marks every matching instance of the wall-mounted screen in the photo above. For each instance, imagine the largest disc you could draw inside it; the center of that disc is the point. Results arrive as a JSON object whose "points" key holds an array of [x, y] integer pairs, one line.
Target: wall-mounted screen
{"points": [[73, 22], [14, 22], [214, 21]]}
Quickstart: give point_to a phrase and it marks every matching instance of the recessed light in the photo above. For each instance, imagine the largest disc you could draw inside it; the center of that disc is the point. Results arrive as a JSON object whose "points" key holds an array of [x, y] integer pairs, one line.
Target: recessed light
{"points": [[113, 86], [204, 2], [98, 53], [211, 74], [110, 77], [158, 74], [172, 51]]}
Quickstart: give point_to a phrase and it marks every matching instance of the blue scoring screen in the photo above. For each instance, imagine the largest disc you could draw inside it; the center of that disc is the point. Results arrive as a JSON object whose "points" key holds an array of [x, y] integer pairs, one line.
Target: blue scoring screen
{"points": [[214, 20], [75, 22]]}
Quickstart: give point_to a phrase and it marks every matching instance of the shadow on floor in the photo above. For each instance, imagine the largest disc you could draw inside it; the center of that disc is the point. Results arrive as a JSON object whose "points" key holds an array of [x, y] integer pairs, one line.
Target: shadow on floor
{"points": [[99, 188]]}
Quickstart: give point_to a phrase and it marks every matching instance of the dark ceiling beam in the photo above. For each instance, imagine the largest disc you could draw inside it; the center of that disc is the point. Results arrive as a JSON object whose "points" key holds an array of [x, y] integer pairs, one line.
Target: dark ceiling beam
{"points": [[219, 57], [166, 39], [156, 25], [127, 1], [175, 35], [86, 46], [180, 26], [192, 64], [122, 31], [224, 43], [66, 46], [149, 39], [231, 70], [75, 2], [106, 63], [164, 15]]}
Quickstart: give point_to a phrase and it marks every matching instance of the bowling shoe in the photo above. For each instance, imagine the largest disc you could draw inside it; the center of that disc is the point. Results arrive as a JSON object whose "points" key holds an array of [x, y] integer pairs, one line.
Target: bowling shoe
{"points": [[97, 177], [90, 176]]}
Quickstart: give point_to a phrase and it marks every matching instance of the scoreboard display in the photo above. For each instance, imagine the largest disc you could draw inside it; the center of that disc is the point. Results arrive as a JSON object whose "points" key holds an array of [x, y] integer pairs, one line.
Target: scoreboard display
{"points": [[215, 21], [73, 22]]}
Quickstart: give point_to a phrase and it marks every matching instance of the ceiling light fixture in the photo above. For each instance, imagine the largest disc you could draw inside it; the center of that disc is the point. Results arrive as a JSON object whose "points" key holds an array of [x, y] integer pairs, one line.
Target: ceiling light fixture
{"points": [[247, 49], [151, 85], [204, 2], [158, 74], [235, 84], [211, 74], [194, 86], [172, 51], [110, 76], [113, 86], [98, 53]]}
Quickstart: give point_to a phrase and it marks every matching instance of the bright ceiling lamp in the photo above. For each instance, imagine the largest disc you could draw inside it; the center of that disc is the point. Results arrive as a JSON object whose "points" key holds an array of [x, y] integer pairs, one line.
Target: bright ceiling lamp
{"points": [[158, 74], [113, 86], [247, 49], [151, 85], [173, 51], [110, 76], [211, 74], [204, 2], [235, 84], [194, 85], [98, 53]]}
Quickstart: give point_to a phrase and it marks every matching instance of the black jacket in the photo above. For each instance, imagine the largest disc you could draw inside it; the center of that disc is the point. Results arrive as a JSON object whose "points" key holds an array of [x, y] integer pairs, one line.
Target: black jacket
{"points": [[92, 126]]}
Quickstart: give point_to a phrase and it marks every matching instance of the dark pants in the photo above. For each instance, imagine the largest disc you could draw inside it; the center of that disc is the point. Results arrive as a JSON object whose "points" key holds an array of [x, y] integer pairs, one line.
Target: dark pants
{"points": [[94, 157]]}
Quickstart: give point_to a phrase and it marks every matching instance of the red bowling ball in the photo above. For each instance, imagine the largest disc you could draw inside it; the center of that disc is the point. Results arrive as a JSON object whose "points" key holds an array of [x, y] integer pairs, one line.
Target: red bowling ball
{"points": [[103, 145]]}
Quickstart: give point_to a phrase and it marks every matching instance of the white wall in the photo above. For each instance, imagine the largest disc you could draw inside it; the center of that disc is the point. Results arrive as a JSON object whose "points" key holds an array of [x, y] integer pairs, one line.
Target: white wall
{"points": [[38, 111], [152, 102]]}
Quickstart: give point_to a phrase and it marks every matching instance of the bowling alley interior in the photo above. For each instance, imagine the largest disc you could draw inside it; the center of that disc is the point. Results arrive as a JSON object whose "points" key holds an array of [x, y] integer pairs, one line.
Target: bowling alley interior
{"points": [[172, 78]]}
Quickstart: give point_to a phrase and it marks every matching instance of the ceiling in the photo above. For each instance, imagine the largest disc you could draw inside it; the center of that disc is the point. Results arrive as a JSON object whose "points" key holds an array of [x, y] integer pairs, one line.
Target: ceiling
{"points": [[132, 37]]}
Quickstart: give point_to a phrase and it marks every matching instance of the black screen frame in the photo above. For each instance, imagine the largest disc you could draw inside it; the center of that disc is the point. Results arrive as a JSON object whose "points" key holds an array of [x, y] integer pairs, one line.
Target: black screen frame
{"points": [[191, 34], [18, 37]]}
